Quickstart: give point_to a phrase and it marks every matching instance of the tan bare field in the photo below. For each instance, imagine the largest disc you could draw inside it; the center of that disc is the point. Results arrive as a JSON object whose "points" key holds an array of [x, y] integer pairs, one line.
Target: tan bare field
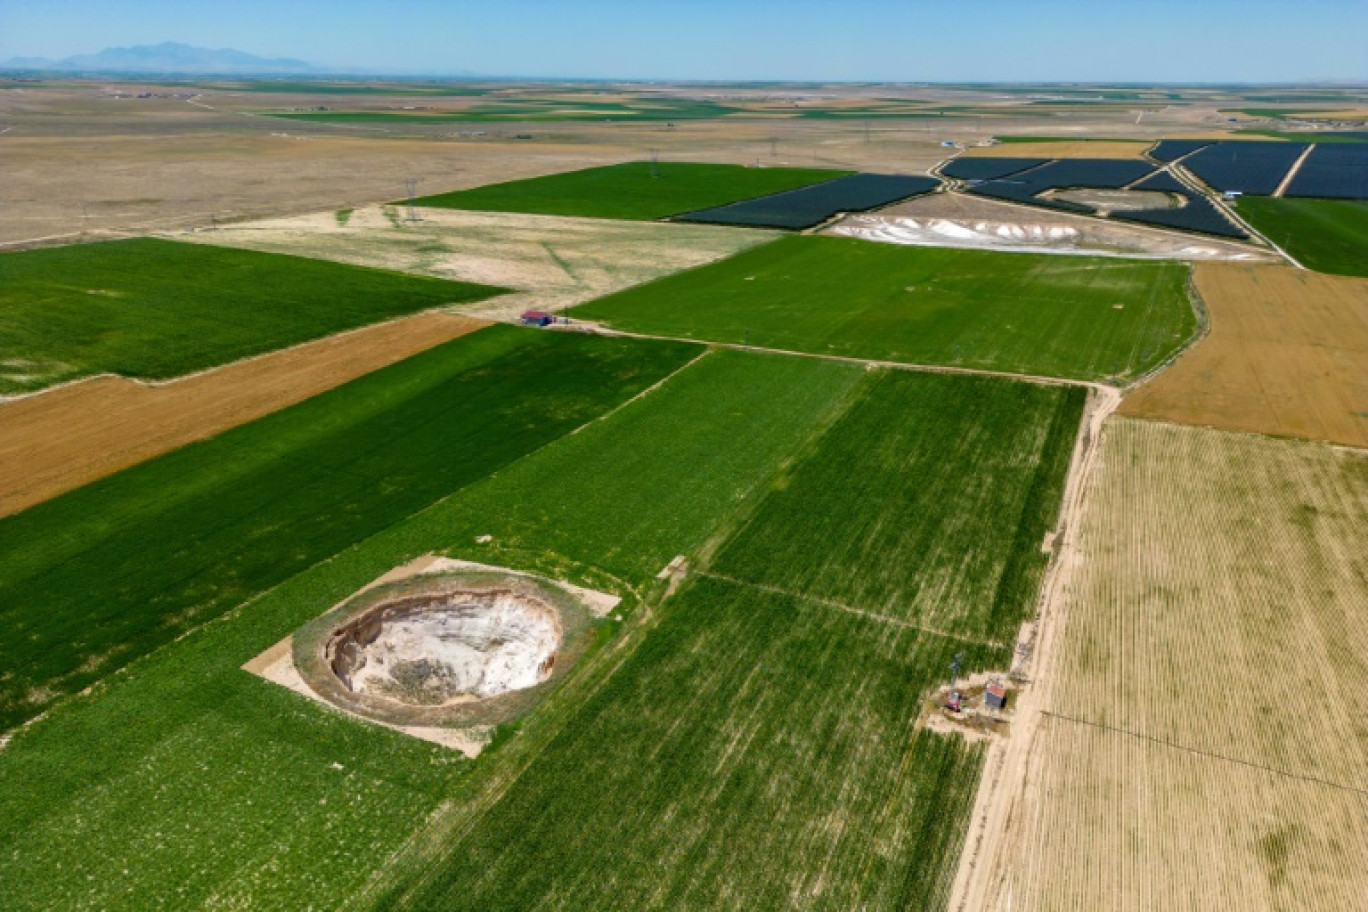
{"points": [[1285, 355], [554, 262], [963, 220], [58, 440], [1079, 149], [1202, 742]]}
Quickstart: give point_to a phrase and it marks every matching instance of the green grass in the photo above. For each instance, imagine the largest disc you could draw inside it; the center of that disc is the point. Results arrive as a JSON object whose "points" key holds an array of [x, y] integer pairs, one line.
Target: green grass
{"points": [[628, 191], [927, 502], [1324, 235], [101, 575], [755, 752], [1015, 312], [158, 309]]}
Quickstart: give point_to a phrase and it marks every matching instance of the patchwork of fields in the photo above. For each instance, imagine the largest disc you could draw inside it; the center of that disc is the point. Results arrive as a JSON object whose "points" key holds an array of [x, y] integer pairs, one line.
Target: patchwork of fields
{"points": [[1080, 317], [806, 523], [633, 190], [1202, 740], [155, 309]]}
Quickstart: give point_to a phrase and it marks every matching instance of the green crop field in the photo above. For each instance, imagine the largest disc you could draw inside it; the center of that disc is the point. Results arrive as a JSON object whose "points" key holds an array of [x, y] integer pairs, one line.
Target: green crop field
{"points": [[1088, 318], [100, 576], [213, 787], [1324, 235], [927, 503], [158, 309], [755, 752], [628, 191]]}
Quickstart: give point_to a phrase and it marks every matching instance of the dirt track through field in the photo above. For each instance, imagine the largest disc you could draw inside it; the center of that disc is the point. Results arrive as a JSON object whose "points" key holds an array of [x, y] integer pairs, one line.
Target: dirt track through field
{"points": [[72, 435], [1286, 355]]}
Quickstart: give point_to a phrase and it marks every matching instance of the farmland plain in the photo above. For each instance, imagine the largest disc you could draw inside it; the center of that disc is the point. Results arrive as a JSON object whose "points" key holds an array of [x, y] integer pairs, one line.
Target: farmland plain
{"points": [[1203, 738], [633, 190], [551, 262], [188, 714], [1081, 317], [1324, 235], [105, 573], [926, 502], [70, 436], [1285, 356], [155, 309]]}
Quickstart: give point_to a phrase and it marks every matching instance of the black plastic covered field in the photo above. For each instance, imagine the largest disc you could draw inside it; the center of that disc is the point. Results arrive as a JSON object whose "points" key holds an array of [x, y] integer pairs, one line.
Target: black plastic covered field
{"points": [[809, 206], [968, 169], [1162, 182], [1245, 167], [1016, 192], [1173, 149], [1333, 171], [1094, 173], [1198, 215]]}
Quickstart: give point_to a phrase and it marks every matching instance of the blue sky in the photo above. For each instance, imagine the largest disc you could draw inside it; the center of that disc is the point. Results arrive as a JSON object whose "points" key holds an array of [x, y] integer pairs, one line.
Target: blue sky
{"points": [[979, 40]]}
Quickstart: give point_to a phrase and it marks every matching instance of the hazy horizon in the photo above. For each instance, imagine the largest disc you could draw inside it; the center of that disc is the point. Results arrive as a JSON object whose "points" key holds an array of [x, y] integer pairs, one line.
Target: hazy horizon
{"points": [[1149, 42]]}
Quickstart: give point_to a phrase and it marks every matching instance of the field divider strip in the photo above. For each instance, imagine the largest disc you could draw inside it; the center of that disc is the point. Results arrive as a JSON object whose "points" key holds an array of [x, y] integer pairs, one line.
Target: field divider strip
{"points": [[1315, 780], [860, 612], [1040, 379]]}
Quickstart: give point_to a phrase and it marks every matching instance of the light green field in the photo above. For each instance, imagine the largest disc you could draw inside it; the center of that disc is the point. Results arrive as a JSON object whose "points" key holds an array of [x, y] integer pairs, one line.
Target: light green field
{"points": [[726, 710], [158, 309], [629, 191], [1324, 235], [1088, 318]]}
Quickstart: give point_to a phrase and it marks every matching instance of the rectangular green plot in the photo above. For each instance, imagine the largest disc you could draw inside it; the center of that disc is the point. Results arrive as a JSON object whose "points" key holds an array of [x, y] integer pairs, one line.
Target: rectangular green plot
{"points": [[101, 575], [634, 190], [628, 494], [211, 783], [755, 752], [1093, 318], [157, 309], [927, 502], [1324, 235]]}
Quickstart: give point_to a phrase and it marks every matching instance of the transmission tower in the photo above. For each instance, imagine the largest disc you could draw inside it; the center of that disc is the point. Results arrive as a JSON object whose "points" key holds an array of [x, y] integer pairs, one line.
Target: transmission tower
{"points": [[412, 183]]}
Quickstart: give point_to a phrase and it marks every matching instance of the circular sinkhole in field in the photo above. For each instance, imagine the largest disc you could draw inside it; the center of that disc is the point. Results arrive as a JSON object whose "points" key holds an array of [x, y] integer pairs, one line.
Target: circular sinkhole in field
{"points": [[438, 648]]}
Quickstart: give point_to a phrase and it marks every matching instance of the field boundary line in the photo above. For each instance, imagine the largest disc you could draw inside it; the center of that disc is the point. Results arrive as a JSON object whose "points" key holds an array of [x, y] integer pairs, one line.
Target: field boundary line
{"points": [[859, 612], [1315, 780], [1039, 379], [1007, 766], [1199, 333]]}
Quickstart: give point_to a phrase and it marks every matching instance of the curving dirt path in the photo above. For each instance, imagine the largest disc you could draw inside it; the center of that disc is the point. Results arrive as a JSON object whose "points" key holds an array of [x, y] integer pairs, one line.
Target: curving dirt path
{"points": [[65, 437]]}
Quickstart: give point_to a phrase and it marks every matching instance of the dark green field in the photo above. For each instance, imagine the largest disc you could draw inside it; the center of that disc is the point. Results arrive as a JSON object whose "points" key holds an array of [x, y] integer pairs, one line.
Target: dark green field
{"points": [[1324, 235], [97, 577], [628, 191], [772, 728], [158, 309], [1088, 318], [894, 513]]}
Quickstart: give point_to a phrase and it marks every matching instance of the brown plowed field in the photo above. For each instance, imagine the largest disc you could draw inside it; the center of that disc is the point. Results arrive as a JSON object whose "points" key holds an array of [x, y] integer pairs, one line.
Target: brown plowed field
{"points": [[1287, 355], [1065, 149], [72, 435]]}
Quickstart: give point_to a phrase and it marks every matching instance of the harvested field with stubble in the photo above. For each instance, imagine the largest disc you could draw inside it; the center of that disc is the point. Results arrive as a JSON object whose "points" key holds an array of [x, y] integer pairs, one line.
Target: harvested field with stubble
{"points": [[1059, 148], [553, 262], [1285, 356], [1202, 737], [64, 438]]}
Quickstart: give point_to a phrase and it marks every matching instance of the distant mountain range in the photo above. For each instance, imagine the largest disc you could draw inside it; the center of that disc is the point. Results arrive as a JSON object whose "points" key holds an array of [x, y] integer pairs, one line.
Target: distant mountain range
{"points": [[168, 57]]}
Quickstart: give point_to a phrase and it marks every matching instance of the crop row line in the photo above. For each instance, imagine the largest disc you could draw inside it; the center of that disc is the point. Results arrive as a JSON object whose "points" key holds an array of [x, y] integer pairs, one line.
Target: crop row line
{"points": [[860, 612], [1301, 777]]}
